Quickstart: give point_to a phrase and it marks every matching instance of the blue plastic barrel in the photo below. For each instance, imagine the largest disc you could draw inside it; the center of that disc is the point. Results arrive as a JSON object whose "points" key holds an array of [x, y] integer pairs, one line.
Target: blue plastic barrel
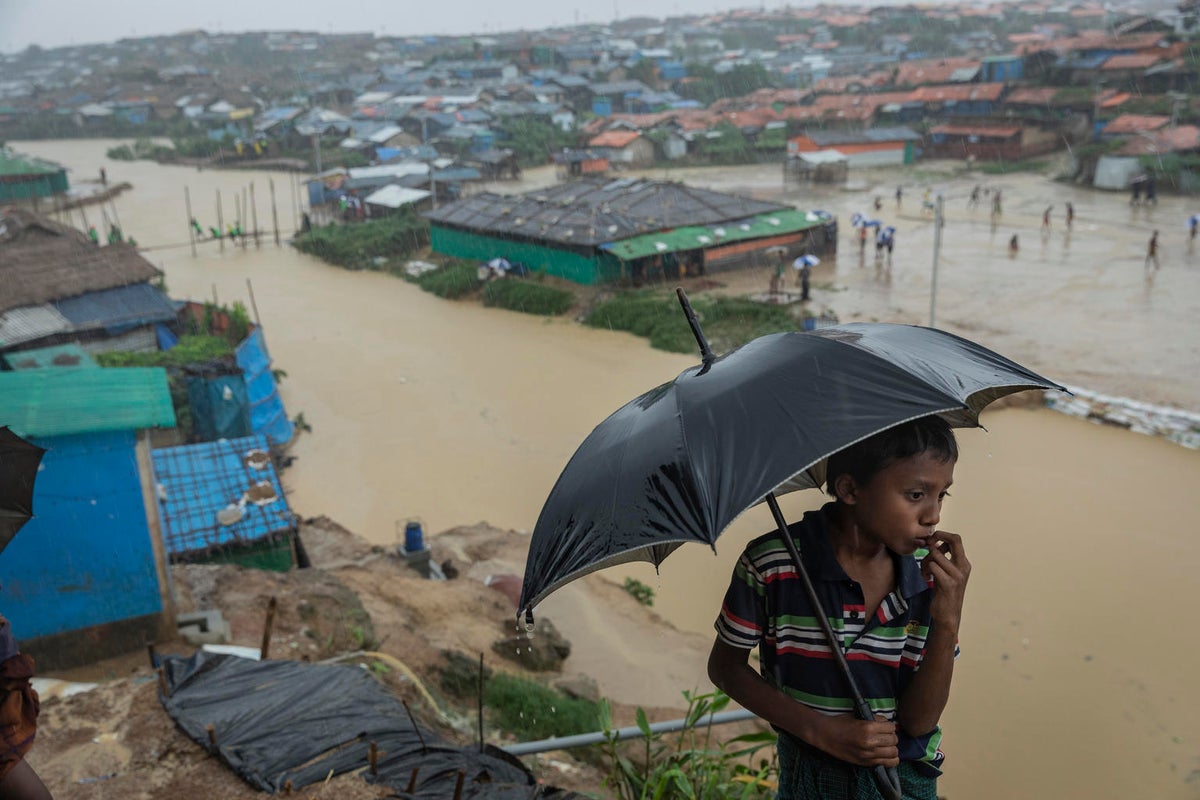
{"points": [[414, 538]]}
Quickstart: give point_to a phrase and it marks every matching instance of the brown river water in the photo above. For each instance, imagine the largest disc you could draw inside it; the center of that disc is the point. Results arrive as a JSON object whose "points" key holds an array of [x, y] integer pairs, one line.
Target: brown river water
{"points": [[1068, 685]]}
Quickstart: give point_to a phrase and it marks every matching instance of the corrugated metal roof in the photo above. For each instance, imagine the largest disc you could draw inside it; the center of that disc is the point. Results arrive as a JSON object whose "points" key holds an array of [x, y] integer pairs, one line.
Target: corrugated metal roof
{"points": [[197, 481], [29, 323], [697, 237], [58, 402], [63, 356], [137, 304], [591, 212]]}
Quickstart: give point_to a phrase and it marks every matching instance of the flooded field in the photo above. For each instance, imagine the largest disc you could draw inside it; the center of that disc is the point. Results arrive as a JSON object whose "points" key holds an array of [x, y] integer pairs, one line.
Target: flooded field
{"points": [[1071, 683]]}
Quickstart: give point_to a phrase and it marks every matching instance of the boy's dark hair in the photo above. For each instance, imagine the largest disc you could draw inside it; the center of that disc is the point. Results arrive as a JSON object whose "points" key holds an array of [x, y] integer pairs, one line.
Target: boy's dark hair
{"points": [[863, 460]]}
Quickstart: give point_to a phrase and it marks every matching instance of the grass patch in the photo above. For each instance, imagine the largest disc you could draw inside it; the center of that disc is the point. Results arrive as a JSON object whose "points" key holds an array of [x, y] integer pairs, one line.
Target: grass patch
{"points": [[527, 297], [190, 350], [451, 281], [532, 711], [1005, 167], [728, 322], [366, 245]]}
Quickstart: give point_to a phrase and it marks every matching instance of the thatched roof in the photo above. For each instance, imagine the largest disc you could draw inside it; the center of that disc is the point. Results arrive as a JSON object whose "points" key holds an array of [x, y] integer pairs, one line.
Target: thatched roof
{"points": [[42, 261]]}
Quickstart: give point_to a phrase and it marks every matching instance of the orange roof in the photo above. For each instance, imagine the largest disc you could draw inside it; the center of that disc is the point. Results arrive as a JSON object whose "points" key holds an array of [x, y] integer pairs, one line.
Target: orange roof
{"points": [[1181, 137], [1132, 61], [995, 132], [924, 71], [958, 92], [1114, 100], [1135, 123], [616, 139], [1032, 95]]}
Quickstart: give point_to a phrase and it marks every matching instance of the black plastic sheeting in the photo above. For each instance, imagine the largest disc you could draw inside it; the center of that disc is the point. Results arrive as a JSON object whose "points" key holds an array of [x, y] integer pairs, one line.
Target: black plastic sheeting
{"points": [[281, 721]]}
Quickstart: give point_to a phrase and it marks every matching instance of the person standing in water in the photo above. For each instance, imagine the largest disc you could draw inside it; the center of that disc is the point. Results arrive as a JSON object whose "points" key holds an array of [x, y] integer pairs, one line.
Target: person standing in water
{"points": [[1152, 252], [1070, 214]]}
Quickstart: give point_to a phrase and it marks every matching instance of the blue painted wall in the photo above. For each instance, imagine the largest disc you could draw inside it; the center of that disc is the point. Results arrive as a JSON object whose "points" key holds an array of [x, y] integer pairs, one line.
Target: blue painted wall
{"points": [[85, 559]]}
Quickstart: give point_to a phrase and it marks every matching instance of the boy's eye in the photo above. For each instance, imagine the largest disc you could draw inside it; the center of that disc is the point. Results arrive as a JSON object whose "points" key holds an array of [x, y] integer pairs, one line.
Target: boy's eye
{"points": [[915, 495]]}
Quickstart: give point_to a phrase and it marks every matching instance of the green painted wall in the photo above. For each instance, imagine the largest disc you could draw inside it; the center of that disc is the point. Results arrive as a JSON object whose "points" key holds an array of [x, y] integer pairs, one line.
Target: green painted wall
{"points": [[28, 187], [909, 152], [601, 268]]}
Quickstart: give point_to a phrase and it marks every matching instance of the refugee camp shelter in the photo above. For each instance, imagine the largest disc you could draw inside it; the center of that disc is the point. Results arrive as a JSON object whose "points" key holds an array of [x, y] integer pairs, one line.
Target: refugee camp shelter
{"points": [[222, 502], [870, 148], [59, 287], [86, 578], [28, 179], [571, 230]]}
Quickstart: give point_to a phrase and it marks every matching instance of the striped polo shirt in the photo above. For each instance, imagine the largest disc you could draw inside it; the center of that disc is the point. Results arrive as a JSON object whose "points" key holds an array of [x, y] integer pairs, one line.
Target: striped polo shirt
{"points": [[766, 607]]}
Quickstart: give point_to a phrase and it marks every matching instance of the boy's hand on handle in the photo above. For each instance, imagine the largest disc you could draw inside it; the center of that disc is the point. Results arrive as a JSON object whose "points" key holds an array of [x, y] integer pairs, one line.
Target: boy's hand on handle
{"points": [[867, 744], [947, 566]]}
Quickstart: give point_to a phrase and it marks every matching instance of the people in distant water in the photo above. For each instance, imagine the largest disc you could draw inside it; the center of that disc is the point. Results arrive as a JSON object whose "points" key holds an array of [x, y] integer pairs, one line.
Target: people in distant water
{"points": [[1014, 245], [899, 196], [305, 222], [878, 202], [1152, 252], [93, 235], [196, 227], [1135, 189], [996, 207], [1151, 191], [973, 200], [114, 234], [214, 232], [1070, 214], [103, 177]]}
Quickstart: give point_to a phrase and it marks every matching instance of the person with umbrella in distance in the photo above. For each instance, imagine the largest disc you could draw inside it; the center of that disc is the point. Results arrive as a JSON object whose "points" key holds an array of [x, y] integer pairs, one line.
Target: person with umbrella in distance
{"points": [[19, 703], [803, 266], [896, 585]]}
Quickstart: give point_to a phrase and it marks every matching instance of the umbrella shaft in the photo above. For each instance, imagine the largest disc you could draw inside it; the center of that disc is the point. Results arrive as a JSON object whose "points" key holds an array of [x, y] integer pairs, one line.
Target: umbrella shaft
{"points": [[888, 780]]}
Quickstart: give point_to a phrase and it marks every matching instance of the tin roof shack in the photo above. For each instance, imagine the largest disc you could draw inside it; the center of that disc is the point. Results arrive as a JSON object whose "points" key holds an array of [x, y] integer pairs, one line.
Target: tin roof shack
{"points": [[86, 578], [222, 502], [571, 230], [870, 148], [24, 179], [59, 287], [627, 148], [988, 142]]}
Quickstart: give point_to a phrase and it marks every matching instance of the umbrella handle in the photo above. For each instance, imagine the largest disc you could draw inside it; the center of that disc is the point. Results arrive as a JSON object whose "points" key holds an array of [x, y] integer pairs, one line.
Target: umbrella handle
{"points": [[887, 779]]}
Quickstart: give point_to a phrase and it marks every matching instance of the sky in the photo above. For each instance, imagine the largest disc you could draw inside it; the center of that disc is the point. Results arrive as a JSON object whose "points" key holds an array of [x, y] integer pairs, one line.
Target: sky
{"points": [[55, 23]]}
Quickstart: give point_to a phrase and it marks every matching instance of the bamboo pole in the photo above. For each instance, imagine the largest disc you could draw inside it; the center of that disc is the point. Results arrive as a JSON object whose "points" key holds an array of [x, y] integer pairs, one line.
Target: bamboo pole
{"points": [[237, 218], [373, 758], [244, 219], [412, 781], [274, 211], [253, 305], [265, 648], [481, 702], [254, 216], [187, 202], [220, 223], [458, 784]]}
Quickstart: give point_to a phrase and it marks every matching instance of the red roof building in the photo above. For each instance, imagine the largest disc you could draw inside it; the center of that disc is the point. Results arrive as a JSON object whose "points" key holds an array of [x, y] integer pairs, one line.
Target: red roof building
{"points": [[1127, 124]]}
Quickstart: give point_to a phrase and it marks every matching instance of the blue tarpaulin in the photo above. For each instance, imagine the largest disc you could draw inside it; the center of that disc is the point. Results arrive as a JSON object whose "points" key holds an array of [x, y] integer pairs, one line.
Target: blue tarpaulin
{"points": [[267, 414], [220, 407], [197, 481], [114, 309]]}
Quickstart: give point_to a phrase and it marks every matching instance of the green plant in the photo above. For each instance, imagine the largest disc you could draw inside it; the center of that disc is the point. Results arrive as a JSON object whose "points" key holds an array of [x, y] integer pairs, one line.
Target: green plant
{"points": [[532, 711], [191, 349], [451, 281], [301, 423], [640, 591], [527, 297], [691, 765], [366, 245]]}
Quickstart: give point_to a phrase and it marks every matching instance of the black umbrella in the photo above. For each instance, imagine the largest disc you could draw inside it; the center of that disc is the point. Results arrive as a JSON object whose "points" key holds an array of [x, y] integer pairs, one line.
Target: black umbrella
{"points": [[681, 462], [18, 467]]}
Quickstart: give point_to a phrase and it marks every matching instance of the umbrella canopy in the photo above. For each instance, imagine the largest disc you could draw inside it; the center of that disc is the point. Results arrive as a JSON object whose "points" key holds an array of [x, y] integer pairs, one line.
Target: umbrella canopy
{"points": [[679, 463], [18, 467], [806, 261]]}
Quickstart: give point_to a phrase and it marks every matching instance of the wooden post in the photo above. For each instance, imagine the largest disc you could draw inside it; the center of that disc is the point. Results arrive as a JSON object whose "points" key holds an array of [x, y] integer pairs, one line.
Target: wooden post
{"points": [[266, 637], [458, 784], [373, 758], [117, 217], [253, 305], [237, 217], [254, 216], [158, 548], [220, 226], [412, 781], [274, 211], [187, 202], [244, 219], [212, 735], [162, 683], [216, 302], [295, 218]]}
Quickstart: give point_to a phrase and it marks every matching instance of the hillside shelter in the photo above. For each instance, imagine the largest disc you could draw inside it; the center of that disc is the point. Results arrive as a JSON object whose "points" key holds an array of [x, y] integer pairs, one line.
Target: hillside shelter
{"points": [[874, 147], [86, 578], [222, 502]]}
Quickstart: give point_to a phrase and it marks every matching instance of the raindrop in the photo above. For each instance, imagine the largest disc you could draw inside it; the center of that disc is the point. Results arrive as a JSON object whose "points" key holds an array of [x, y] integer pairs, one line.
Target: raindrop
{"points": [[553, 710]]}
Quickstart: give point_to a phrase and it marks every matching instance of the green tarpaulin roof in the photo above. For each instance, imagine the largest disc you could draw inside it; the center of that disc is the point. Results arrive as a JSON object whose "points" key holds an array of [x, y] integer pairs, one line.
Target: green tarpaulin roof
{"points": [[58, 402], [12, 163], [762, 226], [62, 356]]}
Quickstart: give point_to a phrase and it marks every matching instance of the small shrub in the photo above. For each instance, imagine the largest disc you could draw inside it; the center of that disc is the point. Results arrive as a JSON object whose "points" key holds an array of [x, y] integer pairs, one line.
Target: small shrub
{"points": [[526, 297], [191, 349], [451, 281], [640, 591], [365, 245], [532, 711], [121, 153]]}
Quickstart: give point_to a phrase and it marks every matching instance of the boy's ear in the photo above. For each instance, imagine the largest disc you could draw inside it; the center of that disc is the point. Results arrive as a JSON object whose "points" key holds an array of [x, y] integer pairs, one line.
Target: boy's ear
{"points": [[845, 489]]}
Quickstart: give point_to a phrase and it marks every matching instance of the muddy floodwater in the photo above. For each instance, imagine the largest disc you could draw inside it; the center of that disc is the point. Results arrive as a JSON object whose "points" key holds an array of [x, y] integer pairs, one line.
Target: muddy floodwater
{"points": [[1076, 679]]}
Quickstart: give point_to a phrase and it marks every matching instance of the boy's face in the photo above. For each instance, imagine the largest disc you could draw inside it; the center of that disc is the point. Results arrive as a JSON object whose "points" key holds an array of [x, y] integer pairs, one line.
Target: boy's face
{"points": [[901, 505]]}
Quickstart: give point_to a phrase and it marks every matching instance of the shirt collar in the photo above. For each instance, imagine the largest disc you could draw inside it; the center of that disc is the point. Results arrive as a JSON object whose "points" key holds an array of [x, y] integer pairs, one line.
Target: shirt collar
{"points": [[813, 541]]}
